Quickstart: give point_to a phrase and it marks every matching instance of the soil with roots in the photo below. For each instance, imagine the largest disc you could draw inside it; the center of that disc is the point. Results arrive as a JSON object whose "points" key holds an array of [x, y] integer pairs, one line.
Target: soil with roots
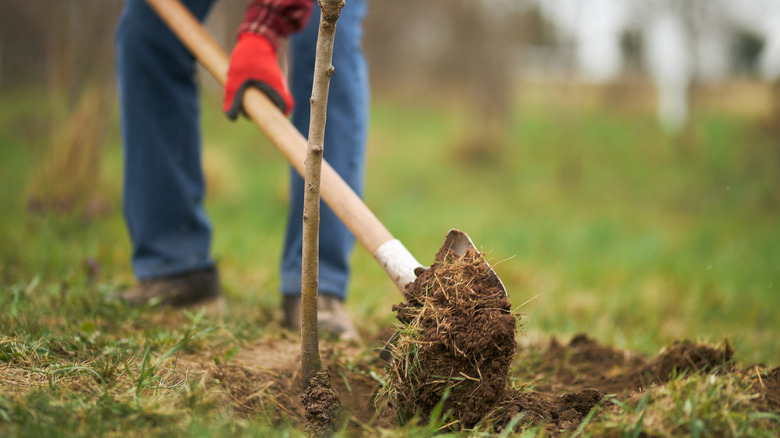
{"points": [[456, 342]]}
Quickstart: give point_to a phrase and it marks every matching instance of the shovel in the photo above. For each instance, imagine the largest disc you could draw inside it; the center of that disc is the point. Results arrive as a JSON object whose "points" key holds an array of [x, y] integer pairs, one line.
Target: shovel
{"points": [[389, 252]]}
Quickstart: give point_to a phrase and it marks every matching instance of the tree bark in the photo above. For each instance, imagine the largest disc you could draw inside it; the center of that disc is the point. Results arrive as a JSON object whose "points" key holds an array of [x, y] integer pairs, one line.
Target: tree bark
{"points": [[323, 70]]}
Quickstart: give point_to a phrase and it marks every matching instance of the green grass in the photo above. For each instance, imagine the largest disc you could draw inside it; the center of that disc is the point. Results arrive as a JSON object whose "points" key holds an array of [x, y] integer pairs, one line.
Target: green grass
{"points": [[621, 233], [605, 224]]}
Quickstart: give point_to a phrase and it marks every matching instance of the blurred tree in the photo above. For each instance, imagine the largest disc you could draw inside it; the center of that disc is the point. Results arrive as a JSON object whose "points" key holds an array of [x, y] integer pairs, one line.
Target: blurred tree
{"points": [[465, 50], [748, 51], [66, 46], [482, 67], [536, 29], [22, 44], [632, 48]]}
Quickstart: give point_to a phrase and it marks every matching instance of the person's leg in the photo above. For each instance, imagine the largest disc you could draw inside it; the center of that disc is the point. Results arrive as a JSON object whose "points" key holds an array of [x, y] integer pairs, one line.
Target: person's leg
{"points": [[159, 114], [345, 141]]}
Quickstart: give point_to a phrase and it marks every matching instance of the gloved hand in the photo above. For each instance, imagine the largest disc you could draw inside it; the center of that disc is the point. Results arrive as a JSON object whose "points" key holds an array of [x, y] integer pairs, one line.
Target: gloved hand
{"points": [[254, 63]]}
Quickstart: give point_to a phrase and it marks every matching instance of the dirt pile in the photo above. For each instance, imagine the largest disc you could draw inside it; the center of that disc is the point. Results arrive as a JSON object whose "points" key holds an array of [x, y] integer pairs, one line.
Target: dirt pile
{"points": [[558, 413], [586, 363], [456, 343], [687, 357], [457, 338]]}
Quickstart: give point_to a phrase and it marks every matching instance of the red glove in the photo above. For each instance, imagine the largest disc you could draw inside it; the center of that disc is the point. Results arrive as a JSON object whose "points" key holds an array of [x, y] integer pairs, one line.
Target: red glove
{"points": [[254, 63]]}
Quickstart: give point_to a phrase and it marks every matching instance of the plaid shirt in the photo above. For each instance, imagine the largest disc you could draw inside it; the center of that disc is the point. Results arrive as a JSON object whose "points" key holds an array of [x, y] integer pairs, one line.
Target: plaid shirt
{"points": [[274, 19]]}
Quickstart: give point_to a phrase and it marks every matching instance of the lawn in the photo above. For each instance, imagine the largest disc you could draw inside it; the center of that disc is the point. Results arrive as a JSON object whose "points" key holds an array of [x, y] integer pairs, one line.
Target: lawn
{"points": [[595, 220]]}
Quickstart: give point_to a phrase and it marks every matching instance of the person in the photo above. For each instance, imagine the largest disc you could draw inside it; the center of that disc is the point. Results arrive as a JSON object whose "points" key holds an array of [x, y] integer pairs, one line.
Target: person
{"points": [[163, 180]]}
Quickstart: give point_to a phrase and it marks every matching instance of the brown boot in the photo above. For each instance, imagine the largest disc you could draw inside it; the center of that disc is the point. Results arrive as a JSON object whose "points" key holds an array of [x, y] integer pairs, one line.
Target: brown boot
{"points": [[332, 319], [181, 290]]}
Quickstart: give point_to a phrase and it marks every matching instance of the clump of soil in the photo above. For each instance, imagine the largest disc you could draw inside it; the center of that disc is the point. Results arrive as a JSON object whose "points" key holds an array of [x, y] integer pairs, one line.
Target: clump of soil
{"points": [[321, 404], [559, 413], [456, 342], [587, 363], [686, 357]]}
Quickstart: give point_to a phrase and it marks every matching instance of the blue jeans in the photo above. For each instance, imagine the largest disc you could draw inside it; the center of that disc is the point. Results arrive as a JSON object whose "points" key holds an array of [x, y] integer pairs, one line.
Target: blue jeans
{"points": [[163, 178]]}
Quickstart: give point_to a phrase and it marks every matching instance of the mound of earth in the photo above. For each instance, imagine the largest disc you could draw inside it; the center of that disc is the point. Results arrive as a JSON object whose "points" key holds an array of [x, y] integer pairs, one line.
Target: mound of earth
{"points": [[456, 341], [586, 363]]}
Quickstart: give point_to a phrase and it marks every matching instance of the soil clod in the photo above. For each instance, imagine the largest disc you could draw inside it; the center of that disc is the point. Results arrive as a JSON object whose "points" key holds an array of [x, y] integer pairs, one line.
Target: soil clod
{"points": [[322, 406]]}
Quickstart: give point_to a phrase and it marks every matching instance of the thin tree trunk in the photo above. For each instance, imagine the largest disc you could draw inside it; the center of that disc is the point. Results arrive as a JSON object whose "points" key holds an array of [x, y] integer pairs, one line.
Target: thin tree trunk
{"points": [[323, 70]]}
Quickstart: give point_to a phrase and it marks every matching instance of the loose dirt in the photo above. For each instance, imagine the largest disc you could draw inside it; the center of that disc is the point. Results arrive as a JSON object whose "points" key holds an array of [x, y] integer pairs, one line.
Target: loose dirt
{"points": [[321, 405], [456, 342], [557, 413], [586, 363]]}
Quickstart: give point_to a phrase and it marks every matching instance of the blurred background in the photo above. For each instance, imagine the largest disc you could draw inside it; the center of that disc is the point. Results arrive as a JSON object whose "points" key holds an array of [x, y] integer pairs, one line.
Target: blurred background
{"points": [[619, 160]]}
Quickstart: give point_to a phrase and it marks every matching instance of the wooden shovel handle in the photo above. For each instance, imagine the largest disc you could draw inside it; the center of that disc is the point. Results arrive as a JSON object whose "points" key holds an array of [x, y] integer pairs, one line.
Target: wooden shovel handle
{"points": [[335, 192]]}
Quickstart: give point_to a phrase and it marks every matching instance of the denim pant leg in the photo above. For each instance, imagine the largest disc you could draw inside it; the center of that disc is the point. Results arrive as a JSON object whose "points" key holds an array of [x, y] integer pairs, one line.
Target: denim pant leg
{"points": [[345, 140], [159, 113]]}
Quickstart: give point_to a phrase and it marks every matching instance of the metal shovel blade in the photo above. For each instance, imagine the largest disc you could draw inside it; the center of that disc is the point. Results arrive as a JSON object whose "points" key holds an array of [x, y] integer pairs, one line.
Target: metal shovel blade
{"points": [[459, 242]]}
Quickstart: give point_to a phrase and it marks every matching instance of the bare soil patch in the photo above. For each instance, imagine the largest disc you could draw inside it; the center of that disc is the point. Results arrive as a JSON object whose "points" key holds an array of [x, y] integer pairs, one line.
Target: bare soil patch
{"points": [[264, 379]]}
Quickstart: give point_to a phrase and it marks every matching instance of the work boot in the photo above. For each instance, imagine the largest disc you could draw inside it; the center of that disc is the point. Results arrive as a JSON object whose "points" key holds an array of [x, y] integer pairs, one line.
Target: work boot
{"points": [[178, 291], [332, 319]]}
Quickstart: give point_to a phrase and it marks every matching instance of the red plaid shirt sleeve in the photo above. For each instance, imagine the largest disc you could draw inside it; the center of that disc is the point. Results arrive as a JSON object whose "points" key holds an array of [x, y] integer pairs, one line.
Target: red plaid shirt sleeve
{"points": [[276, 18]]}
